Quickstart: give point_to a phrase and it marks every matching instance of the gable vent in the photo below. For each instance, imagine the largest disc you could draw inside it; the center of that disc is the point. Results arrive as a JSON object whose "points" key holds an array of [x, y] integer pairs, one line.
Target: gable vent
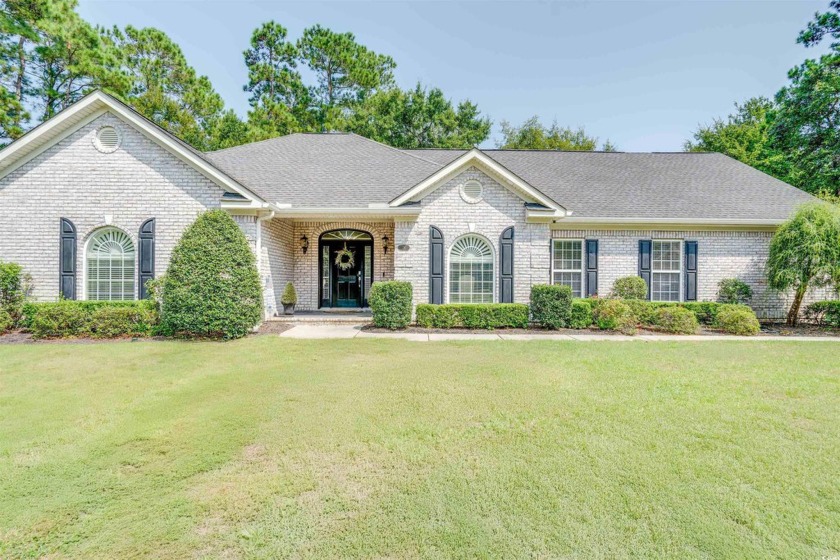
{"points": [[107, 139], [471, 191]]}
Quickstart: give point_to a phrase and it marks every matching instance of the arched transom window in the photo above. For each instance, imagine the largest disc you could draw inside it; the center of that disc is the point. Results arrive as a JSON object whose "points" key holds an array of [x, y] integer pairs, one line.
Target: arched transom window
{"points": [[110, 266], [471, 271]]}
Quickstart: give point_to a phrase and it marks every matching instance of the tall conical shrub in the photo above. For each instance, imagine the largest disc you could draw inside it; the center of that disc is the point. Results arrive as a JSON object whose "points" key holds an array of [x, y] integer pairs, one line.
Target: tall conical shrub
{"points": [[212, 287]]}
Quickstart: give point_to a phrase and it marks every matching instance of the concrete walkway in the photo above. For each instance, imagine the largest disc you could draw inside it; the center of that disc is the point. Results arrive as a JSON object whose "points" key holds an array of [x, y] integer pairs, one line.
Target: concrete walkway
{"points": [[355, 331]]}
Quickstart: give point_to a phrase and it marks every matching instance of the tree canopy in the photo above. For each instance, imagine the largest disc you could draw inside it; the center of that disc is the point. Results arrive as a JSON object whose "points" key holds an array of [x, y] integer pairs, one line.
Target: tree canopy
{"points": [[796, 136], [533, 135]]}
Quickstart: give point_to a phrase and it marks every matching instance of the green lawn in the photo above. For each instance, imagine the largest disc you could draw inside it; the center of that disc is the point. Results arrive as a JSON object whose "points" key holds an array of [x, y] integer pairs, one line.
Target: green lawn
{"points": [[274, 448]]}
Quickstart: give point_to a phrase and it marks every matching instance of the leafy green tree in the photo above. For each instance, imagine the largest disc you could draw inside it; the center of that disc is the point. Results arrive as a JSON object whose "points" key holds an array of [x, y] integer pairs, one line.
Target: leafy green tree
{"points": [[229, 130], [165, 88], [418, 118], [807, 126], [805, 253], [73, 58], [824, 24], [533, 135], [746, 136], [279, 100], [17, 33], [346, 71]]}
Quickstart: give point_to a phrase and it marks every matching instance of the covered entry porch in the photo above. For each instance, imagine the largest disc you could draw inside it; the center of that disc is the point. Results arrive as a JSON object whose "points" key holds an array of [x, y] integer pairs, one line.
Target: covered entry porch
{"points": [[332, 264]]}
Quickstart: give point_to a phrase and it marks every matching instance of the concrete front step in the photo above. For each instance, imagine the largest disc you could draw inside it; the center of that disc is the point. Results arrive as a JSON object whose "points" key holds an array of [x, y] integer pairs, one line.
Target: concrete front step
{"points": [[312, 317]]}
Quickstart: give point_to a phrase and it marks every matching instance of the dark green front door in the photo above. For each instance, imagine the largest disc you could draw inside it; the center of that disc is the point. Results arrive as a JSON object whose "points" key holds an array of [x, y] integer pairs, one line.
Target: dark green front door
{"points": [[346, 272]]}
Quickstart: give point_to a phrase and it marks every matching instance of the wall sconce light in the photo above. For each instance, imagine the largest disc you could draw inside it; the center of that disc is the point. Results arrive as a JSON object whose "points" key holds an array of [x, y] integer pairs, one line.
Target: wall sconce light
{"points": [[385, 244], [304, 243]]}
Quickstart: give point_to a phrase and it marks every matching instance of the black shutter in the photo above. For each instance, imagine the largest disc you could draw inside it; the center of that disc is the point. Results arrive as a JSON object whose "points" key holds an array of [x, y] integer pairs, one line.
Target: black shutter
{"points": [[591, 267], [690, 271], [506, 266], [435, 265], [67, 260], [644, 262], [146, 262]]}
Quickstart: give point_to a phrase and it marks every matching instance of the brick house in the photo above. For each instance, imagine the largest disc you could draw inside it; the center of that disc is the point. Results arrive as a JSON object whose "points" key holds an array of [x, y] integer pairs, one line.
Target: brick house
{"points": [[93, 201]]}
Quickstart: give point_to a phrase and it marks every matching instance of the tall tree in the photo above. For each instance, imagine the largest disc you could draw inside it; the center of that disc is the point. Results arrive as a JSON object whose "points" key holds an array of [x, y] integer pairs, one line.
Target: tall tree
{"points": [[533, 135], [419, 118], [746, 136], [165, 88], [18, 32], [807, 125], [346, 71], [279, 100], [73, 58]]}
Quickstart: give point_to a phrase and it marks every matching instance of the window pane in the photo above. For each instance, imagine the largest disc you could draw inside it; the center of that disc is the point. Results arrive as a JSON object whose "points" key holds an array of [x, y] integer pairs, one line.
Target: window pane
{"points": [[666, 256], [567, 255], [665, 286], [471, 271], [110, 266]]}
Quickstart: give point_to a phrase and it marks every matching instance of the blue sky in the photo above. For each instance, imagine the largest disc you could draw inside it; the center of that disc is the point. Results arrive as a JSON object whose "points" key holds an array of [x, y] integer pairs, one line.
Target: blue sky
{"points": [[642, 74]]}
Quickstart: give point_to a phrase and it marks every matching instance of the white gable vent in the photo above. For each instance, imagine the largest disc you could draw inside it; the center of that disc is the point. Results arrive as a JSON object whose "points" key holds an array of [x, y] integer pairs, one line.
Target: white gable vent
{"points": [[471, 191], [107, 139]]}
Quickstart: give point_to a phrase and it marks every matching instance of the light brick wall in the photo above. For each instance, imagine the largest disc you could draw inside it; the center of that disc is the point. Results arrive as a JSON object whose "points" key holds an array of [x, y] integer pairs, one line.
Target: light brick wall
{"points": [[498, 209], [720, 255], [277, 262], [74, 180]]}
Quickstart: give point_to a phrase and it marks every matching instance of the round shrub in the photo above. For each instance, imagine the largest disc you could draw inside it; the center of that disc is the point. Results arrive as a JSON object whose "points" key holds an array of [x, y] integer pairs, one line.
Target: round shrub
{"points": [[614, 315], [732, 290], [824, 313], [581, 314], [212, 287], [551, 305], [674, 319], [630, 287], [390, 303], [737, 319], [289, 296]]}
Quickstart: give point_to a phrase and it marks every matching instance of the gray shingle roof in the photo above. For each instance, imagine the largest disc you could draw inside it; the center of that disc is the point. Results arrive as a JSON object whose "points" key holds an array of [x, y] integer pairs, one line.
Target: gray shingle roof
{"points": [[323, 170], [346, 170]]}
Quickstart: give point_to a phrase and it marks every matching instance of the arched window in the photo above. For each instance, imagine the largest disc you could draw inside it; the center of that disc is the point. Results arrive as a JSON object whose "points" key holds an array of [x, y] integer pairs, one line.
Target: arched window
{"points": [[471, 271], [110, 266]]}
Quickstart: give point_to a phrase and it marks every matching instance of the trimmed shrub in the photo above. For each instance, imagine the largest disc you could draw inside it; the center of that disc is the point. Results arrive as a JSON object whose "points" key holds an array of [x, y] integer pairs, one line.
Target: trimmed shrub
{"points": [[212, 287], [6, 321], [824, 313], [90, 318], [630, 287], [581, 314], [551, 305], [473, 316], [737, 319], [675, 319], [14, 287], [706, 311], [289, 296], [732, 290], [111, 321], [390, 303], [614, 315]]}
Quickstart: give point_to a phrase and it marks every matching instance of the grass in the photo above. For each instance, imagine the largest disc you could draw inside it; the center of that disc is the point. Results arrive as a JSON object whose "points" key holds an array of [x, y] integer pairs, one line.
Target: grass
{"points": [[272, 448]]}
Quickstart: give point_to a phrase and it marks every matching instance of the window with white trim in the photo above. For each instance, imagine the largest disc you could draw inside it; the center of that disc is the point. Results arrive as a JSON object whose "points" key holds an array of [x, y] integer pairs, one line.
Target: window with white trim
{"points": [[471, 271], [665, 270], [110, 266], [567, 264]]}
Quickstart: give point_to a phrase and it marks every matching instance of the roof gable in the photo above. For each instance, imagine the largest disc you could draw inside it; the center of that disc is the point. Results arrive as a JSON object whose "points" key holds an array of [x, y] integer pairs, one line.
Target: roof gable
{"points": [[91, 107], [478, 159]]}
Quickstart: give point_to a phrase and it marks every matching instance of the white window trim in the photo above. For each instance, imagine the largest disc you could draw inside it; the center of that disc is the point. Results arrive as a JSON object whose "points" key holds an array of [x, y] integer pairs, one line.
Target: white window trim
{"points": [[84, 259], [582, 264], [448, 269], [681, 244]]}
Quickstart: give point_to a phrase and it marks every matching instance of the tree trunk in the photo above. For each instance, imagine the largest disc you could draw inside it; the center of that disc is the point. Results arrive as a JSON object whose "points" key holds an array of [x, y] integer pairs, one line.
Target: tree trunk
{"points": [[793, 314]]}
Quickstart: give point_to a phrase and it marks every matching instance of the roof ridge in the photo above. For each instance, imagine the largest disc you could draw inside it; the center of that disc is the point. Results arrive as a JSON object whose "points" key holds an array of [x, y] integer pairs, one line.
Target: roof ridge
{"points": [[252, 143], [394, 149]]}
